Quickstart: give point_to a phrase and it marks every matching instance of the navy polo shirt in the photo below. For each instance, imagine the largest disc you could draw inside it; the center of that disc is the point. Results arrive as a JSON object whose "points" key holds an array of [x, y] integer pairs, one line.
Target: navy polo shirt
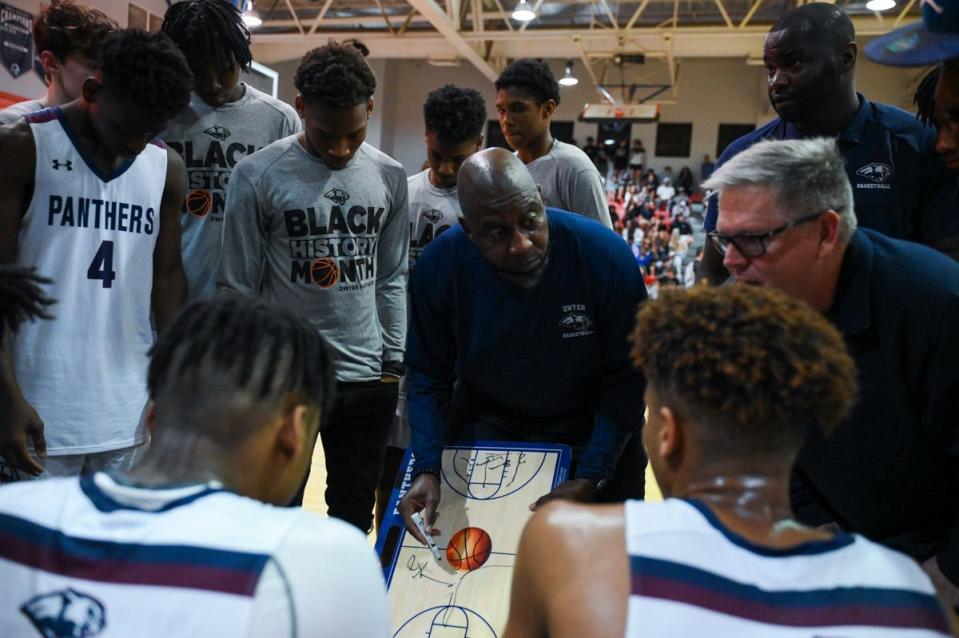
{"points": [[890, 471], [553, 360], [897, 179]]}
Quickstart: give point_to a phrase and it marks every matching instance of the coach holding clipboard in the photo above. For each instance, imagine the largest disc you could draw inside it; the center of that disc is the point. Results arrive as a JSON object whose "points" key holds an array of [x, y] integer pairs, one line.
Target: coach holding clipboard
{"points": [[519, 325]]}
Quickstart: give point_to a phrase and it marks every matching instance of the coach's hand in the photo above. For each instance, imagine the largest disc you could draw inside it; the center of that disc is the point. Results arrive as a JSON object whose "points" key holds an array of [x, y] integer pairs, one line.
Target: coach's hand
{"points": [[423, 496], [582, 490], [18, 422]]}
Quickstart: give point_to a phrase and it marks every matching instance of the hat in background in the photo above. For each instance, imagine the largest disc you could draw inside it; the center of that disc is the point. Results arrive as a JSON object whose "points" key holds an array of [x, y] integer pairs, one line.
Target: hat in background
{"points": [[930, 41]]}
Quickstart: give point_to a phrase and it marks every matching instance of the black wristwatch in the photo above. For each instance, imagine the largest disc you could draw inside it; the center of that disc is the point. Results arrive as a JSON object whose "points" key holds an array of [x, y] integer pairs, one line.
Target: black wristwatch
{"points": [[393, 368]]}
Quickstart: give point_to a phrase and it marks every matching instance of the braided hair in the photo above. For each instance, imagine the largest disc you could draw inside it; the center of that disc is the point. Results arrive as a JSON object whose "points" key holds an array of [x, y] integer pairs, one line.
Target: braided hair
{"points": [[209, 32]]}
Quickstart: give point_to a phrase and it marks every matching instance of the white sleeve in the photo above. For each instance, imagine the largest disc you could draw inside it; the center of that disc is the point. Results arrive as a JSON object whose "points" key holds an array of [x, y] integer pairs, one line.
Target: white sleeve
{"points": [[323, 582]]}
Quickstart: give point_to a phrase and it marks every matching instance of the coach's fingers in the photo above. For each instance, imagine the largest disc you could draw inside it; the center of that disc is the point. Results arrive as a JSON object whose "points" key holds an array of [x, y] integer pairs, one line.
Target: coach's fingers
{"points": [[17, 455]]}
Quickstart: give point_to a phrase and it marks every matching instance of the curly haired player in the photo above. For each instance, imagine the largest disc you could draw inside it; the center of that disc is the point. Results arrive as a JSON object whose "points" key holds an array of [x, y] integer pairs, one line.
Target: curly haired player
{"points": [[737, 378], [91, 202], [225, 121], [67, 36], [527, 95], [318, 222]]}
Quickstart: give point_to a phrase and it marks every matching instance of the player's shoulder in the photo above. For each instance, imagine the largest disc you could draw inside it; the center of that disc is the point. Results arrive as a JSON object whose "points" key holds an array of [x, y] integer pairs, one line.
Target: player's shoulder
{"points": [[255, 165], [573, 157], [882, 565], [418, 180], [559, 527], [270, 103], [21, 498], [899, 122], [16, 143], [371, 154]]}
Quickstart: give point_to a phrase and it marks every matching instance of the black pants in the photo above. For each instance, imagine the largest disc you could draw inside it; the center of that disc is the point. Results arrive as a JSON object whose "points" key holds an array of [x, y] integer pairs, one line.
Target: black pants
{"points": [[354, 441]]}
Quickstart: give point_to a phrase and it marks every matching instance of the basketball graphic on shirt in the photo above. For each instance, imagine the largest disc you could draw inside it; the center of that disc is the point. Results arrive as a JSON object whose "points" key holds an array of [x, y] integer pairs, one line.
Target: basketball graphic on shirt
{"points": [[199, 202], [325, 272], [469, 549]]}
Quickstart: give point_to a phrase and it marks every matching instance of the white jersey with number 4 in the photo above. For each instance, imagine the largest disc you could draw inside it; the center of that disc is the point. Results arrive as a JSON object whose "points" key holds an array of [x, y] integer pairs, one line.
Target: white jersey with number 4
{"points": [[691, 576], [93, 235]]}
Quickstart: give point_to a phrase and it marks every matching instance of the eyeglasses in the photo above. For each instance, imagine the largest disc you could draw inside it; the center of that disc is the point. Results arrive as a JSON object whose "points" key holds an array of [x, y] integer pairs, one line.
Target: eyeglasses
{"points": [[755, 244]]}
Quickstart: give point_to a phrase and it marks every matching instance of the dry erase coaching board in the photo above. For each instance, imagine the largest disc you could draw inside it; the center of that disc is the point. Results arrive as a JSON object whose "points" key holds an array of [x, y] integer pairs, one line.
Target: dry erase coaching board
{"points": [[487, 488]]}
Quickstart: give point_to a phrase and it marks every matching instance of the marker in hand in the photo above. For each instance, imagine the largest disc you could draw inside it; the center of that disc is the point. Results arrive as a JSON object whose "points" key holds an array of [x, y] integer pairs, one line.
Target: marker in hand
{"points": [[421, 525]]}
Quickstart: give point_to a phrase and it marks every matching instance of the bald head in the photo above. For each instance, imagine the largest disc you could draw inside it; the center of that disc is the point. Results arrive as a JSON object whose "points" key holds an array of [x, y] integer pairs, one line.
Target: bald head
{"points": [[822, 22], [491, 178]]}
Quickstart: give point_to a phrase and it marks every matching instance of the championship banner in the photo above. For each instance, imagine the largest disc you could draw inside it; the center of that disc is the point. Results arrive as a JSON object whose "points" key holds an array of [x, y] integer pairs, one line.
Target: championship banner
{"points": [[16, 40]]}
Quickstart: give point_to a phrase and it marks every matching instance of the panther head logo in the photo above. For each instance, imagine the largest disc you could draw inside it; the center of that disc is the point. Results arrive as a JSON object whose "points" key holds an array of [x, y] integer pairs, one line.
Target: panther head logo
{"points": [[876, 172], [218, 132], [337, 195], [433, 216], [576, 321], [66, 614]]}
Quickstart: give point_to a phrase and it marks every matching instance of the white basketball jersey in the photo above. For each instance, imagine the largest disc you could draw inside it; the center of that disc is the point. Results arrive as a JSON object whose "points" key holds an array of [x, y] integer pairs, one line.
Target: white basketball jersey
{"points": [[93, 235], [89, 557], [690, 576]]}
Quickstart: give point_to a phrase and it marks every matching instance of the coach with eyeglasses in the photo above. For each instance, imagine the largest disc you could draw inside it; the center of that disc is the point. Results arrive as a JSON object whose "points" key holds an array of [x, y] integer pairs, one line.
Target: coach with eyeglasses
{"points": [[786, 220]]}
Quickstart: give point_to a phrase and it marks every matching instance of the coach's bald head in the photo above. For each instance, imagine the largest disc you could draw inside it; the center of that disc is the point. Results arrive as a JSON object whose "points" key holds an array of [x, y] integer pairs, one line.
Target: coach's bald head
{"points": [[504, 215]]}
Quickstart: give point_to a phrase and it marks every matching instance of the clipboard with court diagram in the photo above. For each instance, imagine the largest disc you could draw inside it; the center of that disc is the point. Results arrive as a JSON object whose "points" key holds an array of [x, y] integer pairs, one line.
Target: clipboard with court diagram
{"points": [[486, 490]]}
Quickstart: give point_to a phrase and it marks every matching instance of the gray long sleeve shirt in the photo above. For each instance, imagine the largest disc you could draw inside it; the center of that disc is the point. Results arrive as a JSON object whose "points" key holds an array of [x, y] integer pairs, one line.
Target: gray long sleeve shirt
{"points": [[332, 245]]}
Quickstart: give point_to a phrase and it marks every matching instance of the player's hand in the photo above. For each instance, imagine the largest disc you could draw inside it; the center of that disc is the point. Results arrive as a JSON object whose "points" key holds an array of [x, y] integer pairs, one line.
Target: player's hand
{"points": [[18, 422], [581, 490], [948, 592], [423, 496]]}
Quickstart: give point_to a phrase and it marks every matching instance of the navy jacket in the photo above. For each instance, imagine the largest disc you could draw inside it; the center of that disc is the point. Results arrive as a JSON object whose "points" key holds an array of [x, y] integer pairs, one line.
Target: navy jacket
{"points": [[554, 359], [899, 184], [890, 471]]}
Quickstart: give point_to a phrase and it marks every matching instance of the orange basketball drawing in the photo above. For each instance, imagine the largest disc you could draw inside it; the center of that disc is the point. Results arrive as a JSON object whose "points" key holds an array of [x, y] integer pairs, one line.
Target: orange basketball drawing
{"points": [[469, 549], [325, 272], [199, 202]]}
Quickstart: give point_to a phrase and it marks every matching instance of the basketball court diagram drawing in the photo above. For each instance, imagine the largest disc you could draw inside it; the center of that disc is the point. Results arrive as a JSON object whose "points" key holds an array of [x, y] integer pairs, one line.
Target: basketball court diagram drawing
{"points": [[486, 489]]}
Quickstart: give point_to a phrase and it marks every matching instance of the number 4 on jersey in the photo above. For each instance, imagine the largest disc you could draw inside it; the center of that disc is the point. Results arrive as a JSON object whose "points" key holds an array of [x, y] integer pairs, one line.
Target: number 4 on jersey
{"points": [[102, 265]]}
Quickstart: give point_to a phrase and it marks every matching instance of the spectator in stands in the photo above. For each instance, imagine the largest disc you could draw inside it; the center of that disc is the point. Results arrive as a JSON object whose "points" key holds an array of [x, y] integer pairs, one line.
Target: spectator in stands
{"points": [[684, 183], [706, 168], [665, 192], [592, 152], [681, 224], [652, 179], [637, 159]]}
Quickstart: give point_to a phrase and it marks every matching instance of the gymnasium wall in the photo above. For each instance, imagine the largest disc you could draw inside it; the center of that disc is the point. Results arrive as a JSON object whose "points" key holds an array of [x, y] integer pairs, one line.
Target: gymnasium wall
{"points": [[710, 92]]}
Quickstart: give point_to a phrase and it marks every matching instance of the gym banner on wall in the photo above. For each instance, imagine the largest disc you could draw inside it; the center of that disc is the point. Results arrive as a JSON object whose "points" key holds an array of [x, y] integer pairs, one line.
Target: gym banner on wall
{"points": [[16, 40]]}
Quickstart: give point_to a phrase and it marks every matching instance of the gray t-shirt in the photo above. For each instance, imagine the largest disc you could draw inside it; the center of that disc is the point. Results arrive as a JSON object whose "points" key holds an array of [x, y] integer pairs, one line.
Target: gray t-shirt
{"points": [[568, 180], [432, 211], [14, 112], [330, 245], [211, 141]]}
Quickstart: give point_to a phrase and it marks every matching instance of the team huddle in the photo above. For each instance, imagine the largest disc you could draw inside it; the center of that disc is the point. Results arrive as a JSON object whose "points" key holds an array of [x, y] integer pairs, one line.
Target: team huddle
{"points": [[199, 282]]}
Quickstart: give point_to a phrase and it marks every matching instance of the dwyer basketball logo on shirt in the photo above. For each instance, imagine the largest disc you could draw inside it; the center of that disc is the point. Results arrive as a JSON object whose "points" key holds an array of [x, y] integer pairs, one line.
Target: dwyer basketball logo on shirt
{"points": [[575, 322], [337, 247], [66, 614], [209, 173], [878, 175]]}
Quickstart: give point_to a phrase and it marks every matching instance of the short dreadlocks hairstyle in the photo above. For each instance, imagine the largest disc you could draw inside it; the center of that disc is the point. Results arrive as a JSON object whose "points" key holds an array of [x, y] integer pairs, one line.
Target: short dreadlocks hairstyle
{"points": [[22, 297], [210, 33], [335, 75], [925, 92], [754, 370], [64, 27], [533, 76], [146, 69], [455, 114], [227, 365]]}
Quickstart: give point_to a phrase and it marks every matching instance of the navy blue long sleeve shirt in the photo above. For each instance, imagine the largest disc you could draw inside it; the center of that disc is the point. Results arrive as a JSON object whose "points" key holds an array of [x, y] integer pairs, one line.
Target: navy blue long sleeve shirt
{"points": [[555, 358]]}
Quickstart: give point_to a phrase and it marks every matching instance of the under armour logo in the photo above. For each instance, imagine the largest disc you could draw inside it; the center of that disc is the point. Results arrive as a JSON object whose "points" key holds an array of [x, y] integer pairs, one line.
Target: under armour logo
{"points": [[67, 164], [935, 7]]}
